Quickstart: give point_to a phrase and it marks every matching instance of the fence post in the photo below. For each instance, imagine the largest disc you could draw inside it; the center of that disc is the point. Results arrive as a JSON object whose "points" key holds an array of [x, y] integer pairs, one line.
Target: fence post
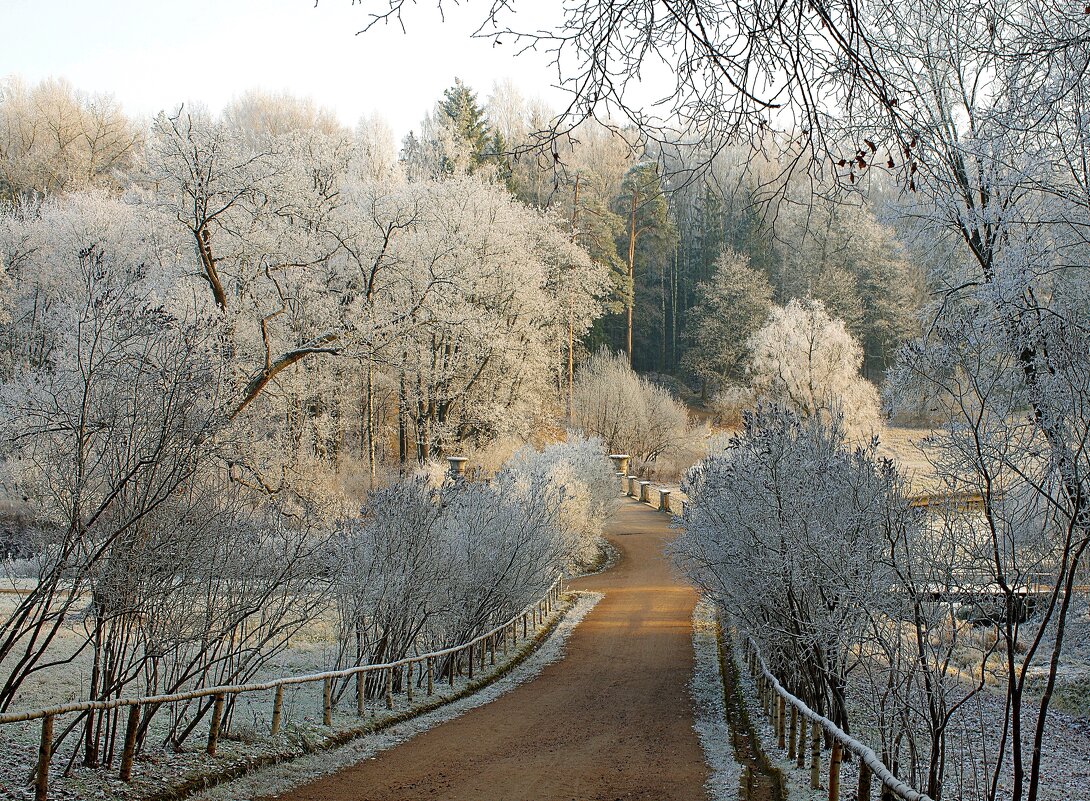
{"points": [[431, 675], [327, 702], [450, 673], [45, 753], [835, 758], [492, 654], [815, 756], [361, 693], [481, 652], [409, 682], [389, 688], [792, 742], [800, 756], [471, 661], [128, 752], [278, 708], [863, 794], [781, 727], [214, 728], [524, 625]]}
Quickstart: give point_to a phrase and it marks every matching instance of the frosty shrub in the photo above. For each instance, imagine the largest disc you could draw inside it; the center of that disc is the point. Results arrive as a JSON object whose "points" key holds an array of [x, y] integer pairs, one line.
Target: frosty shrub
{"points": [[815, 551], [580, 469], [730, 403], [627, 412], [808, 361], [763, 518], [429, 563]]}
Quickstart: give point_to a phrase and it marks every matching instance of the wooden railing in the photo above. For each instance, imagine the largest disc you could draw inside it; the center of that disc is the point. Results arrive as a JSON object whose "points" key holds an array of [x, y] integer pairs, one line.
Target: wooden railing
{"points": [[776, 701], [479, 647]]}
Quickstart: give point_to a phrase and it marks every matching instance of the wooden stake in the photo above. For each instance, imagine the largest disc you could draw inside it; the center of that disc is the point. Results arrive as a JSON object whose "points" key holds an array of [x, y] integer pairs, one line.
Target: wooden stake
{"points": [[128, 752], [792, 742], [492, 651], [781, 726], [409, 682], [327, 702], [214, 728], [471, 661], [278, 708], [361, 693], [863, 794], [431, 675], [45, 753], [800, 761], [835, 758], [389, 688], [450, 673], [815, 756]]}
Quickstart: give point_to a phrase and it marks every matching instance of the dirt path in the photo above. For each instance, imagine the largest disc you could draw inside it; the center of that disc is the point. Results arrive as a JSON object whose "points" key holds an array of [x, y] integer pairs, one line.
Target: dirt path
{"points": [[611, 721]]}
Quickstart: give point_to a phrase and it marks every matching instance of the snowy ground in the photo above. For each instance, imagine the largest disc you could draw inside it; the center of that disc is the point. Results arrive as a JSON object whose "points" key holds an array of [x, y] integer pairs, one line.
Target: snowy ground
{"points": [[159, 769], [706, 688]]}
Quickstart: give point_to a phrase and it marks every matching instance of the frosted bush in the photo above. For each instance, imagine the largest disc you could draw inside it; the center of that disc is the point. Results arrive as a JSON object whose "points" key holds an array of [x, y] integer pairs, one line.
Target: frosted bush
{"points": [[629, 413], [580, 468], [809, 362], [730, 402]]}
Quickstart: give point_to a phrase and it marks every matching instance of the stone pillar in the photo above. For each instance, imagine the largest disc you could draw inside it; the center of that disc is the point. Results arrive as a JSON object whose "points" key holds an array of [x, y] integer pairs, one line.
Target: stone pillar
{"points": [[664, 501], [645, 492], [633, 490]]}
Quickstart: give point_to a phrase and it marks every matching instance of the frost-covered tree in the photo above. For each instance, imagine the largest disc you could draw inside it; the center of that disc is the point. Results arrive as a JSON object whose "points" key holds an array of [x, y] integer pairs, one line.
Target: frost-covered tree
{"points": [[733, 305], [808, 361], [838, 253], [54, 138], [112, 392], [782, 528], [626, 411]]}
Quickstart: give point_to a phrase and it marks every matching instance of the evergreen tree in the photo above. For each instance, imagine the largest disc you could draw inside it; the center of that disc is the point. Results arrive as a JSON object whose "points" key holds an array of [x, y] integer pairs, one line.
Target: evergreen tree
{"points": [[734, 304], [648, 241]]}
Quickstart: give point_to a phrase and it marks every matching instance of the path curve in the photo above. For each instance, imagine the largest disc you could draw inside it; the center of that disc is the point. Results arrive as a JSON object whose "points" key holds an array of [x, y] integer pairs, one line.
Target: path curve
{"points": [[612, 720]]}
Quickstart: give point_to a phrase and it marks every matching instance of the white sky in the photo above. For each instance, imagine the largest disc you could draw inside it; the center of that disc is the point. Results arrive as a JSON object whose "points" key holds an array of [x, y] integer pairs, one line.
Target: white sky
{"points": [[154, 54]]}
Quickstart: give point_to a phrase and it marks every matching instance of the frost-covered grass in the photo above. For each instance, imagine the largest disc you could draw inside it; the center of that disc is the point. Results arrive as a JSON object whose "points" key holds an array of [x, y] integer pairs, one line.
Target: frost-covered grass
{"points": [[706, 688], [906, 446], [246, 745]]}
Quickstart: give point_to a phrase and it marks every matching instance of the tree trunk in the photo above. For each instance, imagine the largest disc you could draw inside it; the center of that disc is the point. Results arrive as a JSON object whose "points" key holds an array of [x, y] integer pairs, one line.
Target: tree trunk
{"points": [[631, 272]]}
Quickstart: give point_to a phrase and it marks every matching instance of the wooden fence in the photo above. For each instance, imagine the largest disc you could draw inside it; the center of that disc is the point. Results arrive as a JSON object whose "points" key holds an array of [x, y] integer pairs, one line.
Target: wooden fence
{"points": [[478, 648], [779, 705]]}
